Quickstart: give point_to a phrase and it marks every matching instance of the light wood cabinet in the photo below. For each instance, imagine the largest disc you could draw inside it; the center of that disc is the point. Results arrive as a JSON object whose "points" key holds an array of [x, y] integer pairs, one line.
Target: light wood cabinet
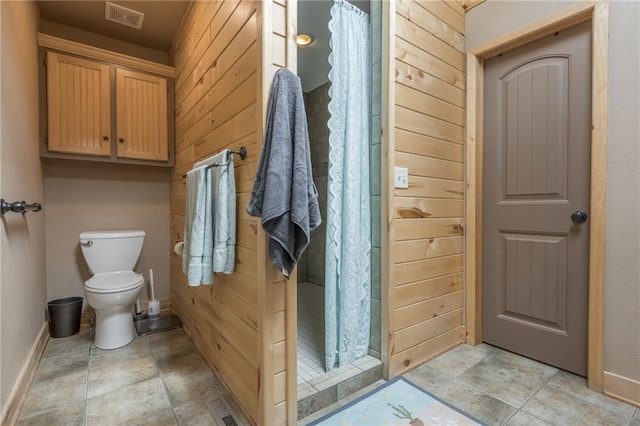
{"points": [[104, 106], [78, 105], [141, 116]]}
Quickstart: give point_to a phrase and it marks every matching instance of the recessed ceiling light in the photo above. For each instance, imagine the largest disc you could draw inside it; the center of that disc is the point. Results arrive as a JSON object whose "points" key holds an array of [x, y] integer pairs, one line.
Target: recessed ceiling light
{"points": [[304, 40]]}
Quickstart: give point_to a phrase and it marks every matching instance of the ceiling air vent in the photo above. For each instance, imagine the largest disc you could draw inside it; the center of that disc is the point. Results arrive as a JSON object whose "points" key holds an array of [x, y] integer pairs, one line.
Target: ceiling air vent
{"points": [[123, 15]]}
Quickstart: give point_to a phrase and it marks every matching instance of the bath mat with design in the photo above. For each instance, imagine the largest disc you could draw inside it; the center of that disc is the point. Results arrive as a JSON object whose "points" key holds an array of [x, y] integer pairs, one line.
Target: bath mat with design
{"points": [[397, 402]]}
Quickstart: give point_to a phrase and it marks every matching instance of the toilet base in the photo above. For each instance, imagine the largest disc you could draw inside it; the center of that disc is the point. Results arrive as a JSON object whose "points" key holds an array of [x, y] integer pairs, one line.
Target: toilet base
{"points": [[114, 328]]}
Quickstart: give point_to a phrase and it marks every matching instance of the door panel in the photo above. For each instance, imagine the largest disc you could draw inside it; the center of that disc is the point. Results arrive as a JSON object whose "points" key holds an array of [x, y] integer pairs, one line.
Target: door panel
{"points": [[536, 174]]}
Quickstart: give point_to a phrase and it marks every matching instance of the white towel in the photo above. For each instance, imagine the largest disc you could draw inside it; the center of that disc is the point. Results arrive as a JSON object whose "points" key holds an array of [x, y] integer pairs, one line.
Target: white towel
{"points": [[223, 186], [218, 214], [197, 257]]}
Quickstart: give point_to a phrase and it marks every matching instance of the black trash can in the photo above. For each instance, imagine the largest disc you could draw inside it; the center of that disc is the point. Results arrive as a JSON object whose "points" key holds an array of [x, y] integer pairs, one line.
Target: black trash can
{"points": [[64, 316]]}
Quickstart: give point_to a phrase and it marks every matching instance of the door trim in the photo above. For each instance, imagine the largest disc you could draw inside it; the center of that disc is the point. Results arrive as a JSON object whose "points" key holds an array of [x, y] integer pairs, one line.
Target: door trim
{"points": [[598, 13]]}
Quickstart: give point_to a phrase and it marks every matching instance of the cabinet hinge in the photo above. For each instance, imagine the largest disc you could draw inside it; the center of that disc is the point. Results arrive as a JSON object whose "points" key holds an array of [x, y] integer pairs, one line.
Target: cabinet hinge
{"points": [[46, 141], [44, 60]]}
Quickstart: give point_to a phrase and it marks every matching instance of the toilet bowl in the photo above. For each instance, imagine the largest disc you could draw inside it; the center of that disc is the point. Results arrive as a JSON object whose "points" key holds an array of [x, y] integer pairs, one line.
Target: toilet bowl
{"points": [[114, 287]]}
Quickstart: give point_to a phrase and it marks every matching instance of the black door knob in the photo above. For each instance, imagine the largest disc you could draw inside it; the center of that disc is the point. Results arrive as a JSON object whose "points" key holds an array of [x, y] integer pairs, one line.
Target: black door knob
{"points": [[579, 216]]}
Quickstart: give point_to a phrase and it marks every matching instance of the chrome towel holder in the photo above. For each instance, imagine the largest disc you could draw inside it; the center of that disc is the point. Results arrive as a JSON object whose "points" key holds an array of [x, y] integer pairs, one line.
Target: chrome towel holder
{"points": [[18, 207]]}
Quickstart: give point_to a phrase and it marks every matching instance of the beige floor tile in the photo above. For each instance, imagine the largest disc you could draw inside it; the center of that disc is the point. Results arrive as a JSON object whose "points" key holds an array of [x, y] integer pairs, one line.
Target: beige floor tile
{"points": [[77, 343], [49, 394], [428, 377], [510, 386], [480, 351], [521, 366], [577, 386], [169, 341], [562, 408], [475, 402], [367, 362], [60, 365], [194, 413], [440, 370], [100, 358], [185, 385], [635, 421], [522, 418], [184, 357], [120, 374], [65, 415], [141, 403]]}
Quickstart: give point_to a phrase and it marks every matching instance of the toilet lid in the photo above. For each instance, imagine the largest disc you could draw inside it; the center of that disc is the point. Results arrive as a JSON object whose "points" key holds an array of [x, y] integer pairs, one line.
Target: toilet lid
{"points": [[112, 282]]}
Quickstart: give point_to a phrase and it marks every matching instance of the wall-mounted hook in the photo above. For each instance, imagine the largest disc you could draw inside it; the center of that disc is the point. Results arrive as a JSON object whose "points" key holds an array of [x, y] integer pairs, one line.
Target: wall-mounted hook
{"points": [[18, 207]]}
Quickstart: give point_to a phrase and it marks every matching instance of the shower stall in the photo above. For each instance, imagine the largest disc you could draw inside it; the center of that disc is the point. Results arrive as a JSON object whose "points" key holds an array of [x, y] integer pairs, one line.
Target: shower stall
{"points": [[322, 275]]}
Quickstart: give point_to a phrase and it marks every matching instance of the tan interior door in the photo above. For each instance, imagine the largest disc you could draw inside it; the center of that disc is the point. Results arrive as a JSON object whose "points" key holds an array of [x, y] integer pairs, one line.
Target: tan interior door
{"points": [[536, 189]]}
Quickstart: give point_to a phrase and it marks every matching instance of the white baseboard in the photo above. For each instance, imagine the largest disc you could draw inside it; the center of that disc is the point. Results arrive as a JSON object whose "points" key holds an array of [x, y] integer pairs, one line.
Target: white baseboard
{"points": [[622, 388], [21, 387]]}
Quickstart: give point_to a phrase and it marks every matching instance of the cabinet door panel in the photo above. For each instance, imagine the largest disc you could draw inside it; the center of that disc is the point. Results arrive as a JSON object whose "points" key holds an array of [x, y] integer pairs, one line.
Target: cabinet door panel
{"points": [[141, 116], [78, 105]]}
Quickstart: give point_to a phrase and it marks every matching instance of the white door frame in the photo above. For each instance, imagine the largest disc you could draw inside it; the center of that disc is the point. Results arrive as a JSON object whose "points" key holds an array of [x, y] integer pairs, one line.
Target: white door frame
{"points": [[598, 13]]}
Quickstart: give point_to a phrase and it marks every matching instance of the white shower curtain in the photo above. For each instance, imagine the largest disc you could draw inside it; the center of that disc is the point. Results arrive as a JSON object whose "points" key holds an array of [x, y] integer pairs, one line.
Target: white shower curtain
{"points": [[348, 248]]}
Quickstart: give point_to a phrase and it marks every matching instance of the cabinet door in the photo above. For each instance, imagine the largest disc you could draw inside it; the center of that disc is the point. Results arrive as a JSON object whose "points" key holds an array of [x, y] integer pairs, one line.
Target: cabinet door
{"points": [[141, 116], [78, 105]]}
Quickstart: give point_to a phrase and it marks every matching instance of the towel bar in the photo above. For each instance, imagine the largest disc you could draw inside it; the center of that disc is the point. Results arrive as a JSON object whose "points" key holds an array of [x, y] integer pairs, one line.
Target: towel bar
{"points": [[18, 207], [242, 152]]}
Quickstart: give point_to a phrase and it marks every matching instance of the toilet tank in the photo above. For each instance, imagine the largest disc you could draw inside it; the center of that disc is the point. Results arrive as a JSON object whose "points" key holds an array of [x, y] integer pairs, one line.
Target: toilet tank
{"points": [[111, 251]]}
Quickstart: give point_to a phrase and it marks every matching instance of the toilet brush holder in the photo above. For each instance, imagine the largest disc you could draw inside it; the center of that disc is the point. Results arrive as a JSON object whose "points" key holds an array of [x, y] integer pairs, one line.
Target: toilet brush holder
{"points": [[153, 308]]}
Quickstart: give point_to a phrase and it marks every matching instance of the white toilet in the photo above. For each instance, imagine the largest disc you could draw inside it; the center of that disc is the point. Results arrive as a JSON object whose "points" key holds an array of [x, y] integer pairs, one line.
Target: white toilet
{"points": [[114, 287]]}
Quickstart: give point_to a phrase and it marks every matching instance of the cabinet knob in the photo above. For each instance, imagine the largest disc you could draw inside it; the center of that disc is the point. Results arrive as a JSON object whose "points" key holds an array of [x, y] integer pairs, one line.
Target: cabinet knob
{"points": [[105, 138], [121, 140]]}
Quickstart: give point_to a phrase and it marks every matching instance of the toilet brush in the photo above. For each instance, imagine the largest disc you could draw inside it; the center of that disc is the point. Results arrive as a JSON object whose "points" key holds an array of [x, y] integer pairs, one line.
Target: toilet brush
{"points": [[153, 306], [138, 314]]}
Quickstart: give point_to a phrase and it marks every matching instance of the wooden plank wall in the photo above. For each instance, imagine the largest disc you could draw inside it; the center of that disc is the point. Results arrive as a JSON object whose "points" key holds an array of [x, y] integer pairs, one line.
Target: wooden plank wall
{"points": [[278, 51], [426, 220], [216, 56], [225, 54]]}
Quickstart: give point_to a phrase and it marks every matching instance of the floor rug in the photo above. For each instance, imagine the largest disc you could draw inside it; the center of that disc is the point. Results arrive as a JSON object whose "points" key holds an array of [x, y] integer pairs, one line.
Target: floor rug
{"points": [[397, 402]]}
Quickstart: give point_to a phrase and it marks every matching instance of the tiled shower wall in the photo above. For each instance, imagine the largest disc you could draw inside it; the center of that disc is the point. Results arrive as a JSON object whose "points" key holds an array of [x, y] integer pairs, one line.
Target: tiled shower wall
{"points": [[316, 102], [375, 172]]}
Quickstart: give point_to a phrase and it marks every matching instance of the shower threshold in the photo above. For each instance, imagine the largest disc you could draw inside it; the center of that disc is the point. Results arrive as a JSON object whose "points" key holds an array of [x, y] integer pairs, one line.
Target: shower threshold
{"points": [[326, 389]]}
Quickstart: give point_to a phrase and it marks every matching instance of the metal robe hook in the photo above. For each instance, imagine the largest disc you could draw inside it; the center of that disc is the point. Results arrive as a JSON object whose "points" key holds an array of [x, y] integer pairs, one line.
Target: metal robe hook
{"points": [[18, 207]]}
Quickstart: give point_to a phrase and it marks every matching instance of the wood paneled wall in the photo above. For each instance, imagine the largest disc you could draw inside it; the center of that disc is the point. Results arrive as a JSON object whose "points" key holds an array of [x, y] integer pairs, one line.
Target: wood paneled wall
{"points": [[425, 104], [215, 54], [225, 54], [279, 390]]}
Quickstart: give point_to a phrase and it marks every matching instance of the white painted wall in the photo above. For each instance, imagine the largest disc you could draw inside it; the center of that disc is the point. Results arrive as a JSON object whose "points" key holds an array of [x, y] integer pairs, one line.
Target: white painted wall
{"points": [[622, 267], [22, 238], [622, 264], [86, 196]]}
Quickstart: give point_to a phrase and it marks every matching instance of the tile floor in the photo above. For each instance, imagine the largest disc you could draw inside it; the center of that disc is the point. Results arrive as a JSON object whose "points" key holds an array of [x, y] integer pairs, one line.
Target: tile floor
{"points": [[317, 388], [501, 388], [310, 332], [160, 379]]}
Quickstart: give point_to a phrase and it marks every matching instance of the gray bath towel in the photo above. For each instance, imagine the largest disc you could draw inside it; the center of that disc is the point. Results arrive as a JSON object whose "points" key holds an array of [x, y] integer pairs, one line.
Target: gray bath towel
{"points": [[284, 194]]}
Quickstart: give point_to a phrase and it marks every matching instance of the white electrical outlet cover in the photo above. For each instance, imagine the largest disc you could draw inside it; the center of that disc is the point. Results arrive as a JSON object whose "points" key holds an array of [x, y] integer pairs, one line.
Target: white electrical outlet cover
{"points": [[401, 178]]}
